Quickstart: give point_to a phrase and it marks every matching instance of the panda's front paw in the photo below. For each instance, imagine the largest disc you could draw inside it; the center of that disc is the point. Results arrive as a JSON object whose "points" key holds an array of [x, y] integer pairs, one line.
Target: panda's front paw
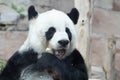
{"points": [[48, 56], [47, 60], [30, 57]]}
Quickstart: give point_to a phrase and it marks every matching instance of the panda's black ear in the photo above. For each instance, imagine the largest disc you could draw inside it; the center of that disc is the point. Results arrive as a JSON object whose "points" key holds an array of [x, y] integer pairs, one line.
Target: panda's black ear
{"points": [[74, 15], [32, 13]]}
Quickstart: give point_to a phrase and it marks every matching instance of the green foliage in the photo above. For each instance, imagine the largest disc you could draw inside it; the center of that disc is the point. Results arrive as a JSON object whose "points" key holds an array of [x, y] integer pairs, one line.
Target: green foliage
{"points": [[18, 9], [2, 64]]}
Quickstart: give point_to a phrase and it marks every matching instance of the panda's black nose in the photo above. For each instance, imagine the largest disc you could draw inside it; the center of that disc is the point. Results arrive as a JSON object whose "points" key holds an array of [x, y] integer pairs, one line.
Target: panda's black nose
{"points": [[63, 43]]}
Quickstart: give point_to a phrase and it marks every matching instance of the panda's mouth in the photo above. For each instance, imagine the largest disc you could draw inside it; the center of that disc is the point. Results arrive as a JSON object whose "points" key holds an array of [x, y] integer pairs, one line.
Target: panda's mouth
{"points": [[59, 52]]}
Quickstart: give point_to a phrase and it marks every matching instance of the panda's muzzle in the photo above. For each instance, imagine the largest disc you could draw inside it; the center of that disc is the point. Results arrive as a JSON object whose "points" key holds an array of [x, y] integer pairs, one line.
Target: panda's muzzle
{"points": [[60, 49]]}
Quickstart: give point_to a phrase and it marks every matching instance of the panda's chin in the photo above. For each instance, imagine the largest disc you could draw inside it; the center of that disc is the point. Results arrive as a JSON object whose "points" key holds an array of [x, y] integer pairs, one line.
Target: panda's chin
{"points": [[59, 52]]}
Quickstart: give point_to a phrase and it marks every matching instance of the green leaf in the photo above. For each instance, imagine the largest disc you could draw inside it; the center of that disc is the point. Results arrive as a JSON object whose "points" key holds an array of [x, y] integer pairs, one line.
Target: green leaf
{"points": [[2, 64]]}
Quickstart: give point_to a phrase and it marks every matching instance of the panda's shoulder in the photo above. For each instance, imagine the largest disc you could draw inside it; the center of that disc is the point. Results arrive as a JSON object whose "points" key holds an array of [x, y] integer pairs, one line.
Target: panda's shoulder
{"points": [[75, 56], [23, 58]]}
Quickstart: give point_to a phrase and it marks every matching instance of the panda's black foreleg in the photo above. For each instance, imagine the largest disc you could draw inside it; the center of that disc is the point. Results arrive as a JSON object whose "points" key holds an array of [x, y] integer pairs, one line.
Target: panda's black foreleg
{"points": [[16, 64], [60, 68], [78, 65], [54, 67]]}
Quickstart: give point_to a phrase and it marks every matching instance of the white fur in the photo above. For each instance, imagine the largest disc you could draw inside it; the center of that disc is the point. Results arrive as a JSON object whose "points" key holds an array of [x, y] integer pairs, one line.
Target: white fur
{"points": [[37, 27]]}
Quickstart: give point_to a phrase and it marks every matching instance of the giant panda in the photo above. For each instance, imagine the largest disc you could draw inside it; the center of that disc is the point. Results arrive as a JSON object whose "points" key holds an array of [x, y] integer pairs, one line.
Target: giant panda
{"points": [[49, 52]]}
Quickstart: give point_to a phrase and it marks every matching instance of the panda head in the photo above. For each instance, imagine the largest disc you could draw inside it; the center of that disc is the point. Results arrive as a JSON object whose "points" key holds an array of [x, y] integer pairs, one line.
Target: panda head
{"points": [[52, 29]]}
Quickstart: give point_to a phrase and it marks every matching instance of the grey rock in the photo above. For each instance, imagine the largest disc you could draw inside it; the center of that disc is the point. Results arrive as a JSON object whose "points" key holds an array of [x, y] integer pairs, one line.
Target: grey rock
{"points": [[8, 15], [41, 2], [22, 25], [44, 5], [17, 3], [97, 72], [95, 79], [10, 42], [106, 4], [19, 6], [116, 5], [106, 22], [63, 5], [97, 50], [10, 27]]}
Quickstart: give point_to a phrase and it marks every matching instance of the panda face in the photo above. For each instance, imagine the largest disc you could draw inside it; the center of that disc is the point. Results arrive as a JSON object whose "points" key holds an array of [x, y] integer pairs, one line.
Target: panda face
{"points": [[58, 32], [52, 29], [59, 41]]}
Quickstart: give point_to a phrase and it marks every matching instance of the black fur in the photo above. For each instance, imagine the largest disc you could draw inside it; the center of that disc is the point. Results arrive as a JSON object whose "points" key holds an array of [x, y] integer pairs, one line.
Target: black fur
{"points": [[32, 13], [52, 65], [74, 15], [16, 64], [63, 42], [77, 61], [71, 68], [49, 34], [69, 33]]}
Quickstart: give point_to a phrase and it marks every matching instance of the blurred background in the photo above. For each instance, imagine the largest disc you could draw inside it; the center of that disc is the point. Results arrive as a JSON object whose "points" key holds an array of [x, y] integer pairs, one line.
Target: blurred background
{"points": [[103, 26]]}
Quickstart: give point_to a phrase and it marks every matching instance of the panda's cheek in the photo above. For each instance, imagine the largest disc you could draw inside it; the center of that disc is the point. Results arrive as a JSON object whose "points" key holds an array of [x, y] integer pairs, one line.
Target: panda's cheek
{"points": [[52, 44]]}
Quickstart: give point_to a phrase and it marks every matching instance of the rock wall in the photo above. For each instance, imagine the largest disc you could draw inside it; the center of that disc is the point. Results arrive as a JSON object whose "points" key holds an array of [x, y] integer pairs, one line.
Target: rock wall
{"points": [[106, 22]]}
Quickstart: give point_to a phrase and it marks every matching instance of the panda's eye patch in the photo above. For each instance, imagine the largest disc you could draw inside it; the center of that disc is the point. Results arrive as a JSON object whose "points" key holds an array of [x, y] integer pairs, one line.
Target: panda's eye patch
{"points": [[69, 33], [49, 34]]}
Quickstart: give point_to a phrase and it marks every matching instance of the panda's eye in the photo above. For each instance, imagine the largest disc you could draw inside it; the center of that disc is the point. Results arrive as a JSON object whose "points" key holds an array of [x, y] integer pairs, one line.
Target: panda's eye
{"points": [[49, 34], [69, 33]]}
